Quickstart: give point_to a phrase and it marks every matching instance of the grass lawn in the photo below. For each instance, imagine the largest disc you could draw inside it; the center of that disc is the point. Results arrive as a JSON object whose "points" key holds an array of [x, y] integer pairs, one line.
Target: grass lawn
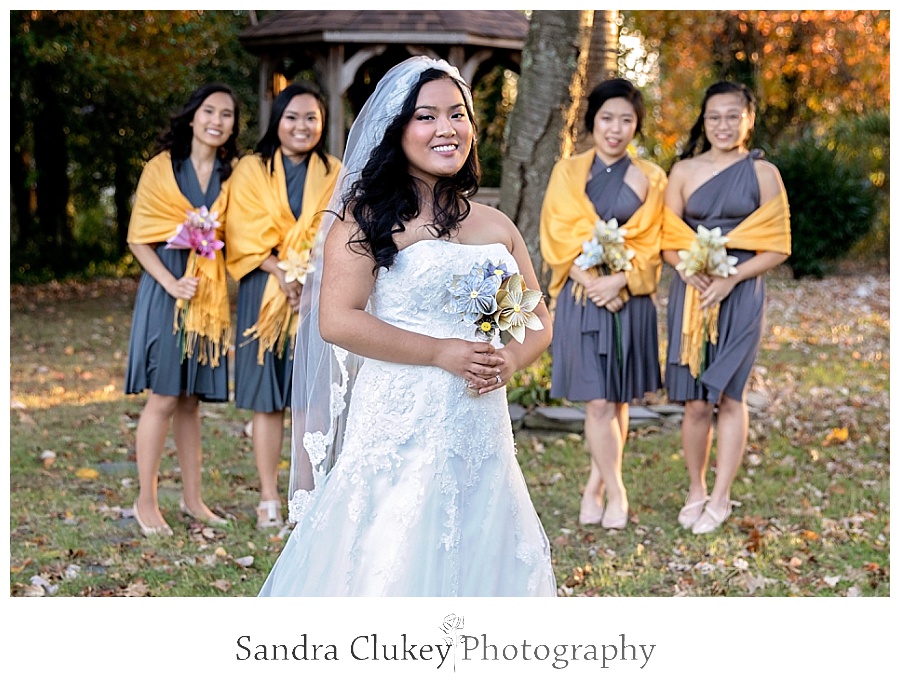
{"points": [[814, 518]]}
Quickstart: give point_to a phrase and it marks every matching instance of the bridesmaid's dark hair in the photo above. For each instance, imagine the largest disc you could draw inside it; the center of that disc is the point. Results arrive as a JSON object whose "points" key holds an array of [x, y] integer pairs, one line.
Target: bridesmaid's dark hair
{"points": [[697, 137], [177, 138], [270, 142], [614, 88], [386, 195]]}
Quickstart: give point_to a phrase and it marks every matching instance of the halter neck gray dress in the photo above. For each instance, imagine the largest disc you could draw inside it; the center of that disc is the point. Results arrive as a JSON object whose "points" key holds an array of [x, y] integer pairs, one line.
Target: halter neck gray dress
{"points": [[724, 201], [154, 350], [585, 337], [267, 387]]}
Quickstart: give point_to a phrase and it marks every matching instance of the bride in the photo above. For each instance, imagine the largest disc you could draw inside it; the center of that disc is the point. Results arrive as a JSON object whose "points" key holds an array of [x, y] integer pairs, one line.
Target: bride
{"points": [[404, 478]]}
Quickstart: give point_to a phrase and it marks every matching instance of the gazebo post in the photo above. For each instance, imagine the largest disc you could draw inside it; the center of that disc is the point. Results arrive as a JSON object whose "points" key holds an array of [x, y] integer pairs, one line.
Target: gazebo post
{"points": [[335, 88], [457, 56], [265, 94]]}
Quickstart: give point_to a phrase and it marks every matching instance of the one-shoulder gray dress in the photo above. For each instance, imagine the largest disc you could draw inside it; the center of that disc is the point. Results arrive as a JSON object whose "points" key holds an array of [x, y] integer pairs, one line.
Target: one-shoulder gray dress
{"points": [[724, 201], [154, 349], [267, 387], [586, 364]]}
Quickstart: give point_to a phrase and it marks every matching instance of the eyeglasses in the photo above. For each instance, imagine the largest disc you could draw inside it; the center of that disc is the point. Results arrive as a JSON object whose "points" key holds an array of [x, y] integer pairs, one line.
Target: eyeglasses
{"points": [[733, 119]]}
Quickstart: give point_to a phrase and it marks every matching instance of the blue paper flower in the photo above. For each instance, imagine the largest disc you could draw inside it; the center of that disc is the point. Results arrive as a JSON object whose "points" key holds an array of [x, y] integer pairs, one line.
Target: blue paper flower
{"points": [[475, 295], [500, 270]]}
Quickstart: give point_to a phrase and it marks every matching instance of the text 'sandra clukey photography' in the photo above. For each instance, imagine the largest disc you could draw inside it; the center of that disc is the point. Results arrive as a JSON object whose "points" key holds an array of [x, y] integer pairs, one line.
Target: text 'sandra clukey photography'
{"points": [[451, 651]]}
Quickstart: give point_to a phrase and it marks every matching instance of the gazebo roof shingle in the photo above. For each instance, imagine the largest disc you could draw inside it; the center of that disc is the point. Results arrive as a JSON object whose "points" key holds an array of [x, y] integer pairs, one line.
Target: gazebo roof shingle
{"points": [[470, 27]]}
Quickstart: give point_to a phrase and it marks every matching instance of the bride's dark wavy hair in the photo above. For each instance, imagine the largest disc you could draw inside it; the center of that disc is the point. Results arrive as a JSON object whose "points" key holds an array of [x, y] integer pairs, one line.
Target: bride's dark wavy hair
{"points": [[697, 137], [386, 196], [179, 135]]}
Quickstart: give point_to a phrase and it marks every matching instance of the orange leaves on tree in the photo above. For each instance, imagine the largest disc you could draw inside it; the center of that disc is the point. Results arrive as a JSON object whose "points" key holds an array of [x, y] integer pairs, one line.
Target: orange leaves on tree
{"points": [[810, 64]]}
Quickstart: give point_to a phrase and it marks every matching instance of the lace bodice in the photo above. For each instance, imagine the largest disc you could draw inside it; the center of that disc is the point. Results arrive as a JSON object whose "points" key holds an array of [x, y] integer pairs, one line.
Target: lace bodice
{"points": [[412, 294]]}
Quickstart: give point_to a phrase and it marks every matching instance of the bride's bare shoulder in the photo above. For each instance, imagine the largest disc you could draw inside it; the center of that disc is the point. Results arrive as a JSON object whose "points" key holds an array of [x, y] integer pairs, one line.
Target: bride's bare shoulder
{"points": [[492, 225], [486, 211]]}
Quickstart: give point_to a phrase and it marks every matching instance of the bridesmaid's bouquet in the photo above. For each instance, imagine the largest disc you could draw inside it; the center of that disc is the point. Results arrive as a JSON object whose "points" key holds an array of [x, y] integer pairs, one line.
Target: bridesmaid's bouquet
{"points": [[606, 250], [197, 233], [296, 267], [707, 255], [494, 300]]}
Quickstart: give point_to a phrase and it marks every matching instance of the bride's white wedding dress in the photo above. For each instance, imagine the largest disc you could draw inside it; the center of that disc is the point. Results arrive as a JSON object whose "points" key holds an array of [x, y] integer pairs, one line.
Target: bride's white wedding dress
{"points": [[426, 498]]}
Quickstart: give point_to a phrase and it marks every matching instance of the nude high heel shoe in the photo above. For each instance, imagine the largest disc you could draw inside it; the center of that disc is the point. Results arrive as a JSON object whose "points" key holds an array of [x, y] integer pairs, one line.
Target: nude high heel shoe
{"points": [[711, 519], [617, 523], [149, 531], [691, 512], [591, 512], [210, 521]]}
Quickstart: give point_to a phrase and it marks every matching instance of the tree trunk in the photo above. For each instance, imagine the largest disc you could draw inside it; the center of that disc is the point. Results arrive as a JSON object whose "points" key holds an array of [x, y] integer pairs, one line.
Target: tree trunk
{"points": [[602, 64], [537, 125], [123, 185], [52, 188], [22, 229]]}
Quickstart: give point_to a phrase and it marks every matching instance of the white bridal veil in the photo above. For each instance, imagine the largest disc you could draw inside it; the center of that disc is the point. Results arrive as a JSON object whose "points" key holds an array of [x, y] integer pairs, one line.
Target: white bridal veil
{"points": [[323, 374]]}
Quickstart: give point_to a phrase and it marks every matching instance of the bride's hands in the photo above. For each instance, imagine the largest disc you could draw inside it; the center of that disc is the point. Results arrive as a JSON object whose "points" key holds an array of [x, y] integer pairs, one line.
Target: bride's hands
{"points": [[491, 382], [476, 362]]}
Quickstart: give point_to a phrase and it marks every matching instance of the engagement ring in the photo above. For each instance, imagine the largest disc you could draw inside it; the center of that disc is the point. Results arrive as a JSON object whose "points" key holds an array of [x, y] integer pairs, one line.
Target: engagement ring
{"points": [[499, 380]]}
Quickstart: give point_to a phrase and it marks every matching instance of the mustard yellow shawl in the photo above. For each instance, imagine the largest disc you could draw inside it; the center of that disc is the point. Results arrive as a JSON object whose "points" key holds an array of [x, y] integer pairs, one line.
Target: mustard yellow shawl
{"points": [[159, 208], [768, 228], [568, 218], [261, 222]]}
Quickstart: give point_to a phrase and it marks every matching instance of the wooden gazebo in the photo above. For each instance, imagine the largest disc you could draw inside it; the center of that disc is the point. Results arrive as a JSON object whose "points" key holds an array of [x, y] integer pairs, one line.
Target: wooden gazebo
{"points": [[350, 50]]}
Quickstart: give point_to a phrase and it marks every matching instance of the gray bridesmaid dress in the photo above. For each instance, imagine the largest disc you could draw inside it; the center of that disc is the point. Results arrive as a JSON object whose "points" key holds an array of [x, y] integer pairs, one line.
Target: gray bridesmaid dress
{"points": [[267, 387], [723, 201], [584, 347], [154, 350]]}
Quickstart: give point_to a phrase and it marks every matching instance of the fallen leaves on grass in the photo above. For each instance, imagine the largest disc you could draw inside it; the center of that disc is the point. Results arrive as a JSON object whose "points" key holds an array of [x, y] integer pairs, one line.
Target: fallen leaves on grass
{"points": [[40, 587], [836, 436], [821, 387], [137, 588]]}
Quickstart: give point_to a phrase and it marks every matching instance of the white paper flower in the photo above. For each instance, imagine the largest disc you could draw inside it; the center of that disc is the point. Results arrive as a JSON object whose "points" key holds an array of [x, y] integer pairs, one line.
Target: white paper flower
{"points": [[296, 267], [707, 255], [591, 254]]}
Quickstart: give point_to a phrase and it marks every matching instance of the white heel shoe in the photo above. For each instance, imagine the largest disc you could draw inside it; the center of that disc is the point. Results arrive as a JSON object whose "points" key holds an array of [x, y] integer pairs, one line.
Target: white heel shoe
{"points": [[268, 514]]}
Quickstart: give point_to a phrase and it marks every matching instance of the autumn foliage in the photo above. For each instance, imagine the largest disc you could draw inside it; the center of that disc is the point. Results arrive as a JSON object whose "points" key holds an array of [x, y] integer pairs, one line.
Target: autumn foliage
{"points": [[807, 68]]}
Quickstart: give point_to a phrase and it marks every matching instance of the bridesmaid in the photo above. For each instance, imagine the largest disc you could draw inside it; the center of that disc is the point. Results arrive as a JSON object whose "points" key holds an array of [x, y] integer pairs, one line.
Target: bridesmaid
{"points": [[715, 323], [276, 198], [190, 171], [605, 343]]}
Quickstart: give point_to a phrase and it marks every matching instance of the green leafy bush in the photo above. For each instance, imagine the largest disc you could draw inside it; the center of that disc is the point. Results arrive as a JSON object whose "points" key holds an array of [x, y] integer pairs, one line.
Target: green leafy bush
{"points": [[530, 386], [833, 202], [866, 140]]}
